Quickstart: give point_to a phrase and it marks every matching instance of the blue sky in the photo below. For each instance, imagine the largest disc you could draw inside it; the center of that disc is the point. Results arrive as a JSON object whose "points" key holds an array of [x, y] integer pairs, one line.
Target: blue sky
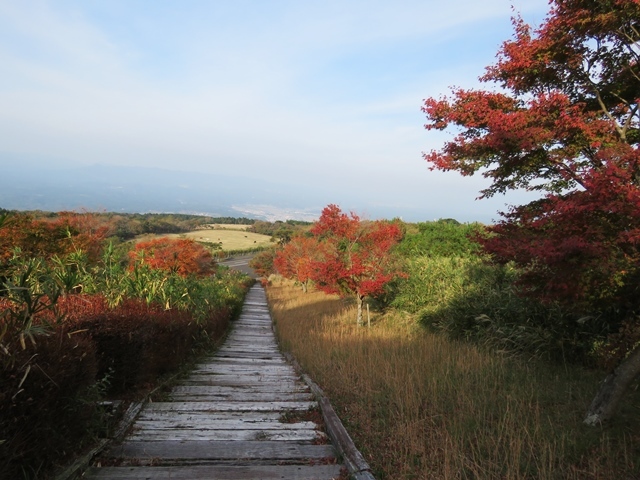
{"points": [[323, 96]]}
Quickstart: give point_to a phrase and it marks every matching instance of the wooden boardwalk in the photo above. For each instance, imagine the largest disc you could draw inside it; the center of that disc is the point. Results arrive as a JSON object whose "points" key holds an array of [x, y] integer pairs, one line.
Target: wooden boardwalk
{"points": [[242, 414]]}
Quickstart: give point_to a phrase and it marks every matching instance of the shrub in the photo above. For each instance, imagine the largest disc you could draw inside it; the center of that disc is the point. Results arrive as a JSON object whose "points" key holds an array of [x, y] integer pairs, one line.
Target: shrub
{"points": [[46, 402], [441, 238], [467, 298]]}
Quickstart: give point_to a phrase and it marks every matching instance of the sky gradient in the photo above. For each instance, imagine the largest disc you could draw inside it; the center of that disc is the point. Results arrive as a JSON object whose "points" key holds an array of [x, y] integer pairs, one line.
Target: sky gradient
{"points": [[323, 97]]}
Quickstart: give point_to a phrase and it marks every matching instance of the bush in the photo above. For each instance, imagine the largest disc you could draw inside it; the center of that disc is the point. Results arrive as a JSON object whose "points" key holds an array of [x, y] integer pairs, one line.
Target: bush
{"points": [[58, 361], [468, 298], [441, 238], [47, 402]]}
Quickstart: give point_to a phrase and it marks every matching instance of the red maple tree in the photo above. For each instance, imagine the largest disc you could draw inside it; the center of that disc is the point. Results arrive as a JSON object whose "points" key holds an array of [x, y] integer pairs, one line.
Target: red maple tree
{"points": [[355, 258], [564, 121], [295, 259], [181, 256]]}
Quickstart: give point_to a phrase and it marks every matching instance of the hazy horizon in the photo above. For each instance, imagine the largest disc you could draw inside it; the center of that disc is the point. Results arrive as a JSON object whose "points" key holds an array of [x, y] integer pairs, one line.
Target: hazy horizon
{"points": [[319, 101]]}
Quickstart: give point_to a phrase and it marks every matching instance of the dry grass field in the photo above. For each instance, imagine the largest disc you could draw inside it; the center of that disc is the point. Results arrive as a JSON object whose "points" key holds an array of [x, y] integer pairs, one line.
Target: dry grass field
{"points": [[225, 226], [231, 239], [419, 406]]}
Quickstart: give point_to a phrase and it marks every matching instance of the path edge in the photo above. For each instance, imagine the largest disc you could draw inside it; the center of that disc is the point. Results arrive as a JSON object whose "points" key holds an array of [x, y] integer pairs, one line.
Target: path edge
{"points": [[358, 467]]}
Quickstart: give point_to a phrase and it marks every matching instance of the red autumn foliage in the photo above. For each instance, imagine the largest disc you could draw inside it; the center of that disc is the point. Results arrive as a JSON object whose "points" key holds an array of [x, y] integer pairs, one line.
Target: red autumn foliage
{"points": [[66, 233], [355, 258], [47, 395], [262, 263], [297, 257], [565, 122], [85, 232], [181, 256]]}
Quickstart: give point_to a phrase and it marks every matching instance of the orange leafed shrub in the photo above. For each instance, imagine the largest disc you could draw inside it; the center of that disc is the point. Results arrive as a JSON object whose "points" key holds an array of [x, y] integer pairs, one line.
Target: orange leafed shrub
{"points": [[66, 233], [181, 256]]}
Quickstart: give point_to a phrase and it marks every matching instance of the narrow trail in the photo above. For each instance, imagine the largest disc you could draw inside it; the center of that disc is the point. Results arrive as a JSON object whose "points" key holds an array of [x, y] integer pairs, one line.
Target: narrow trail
{"points": [[241, 414]]}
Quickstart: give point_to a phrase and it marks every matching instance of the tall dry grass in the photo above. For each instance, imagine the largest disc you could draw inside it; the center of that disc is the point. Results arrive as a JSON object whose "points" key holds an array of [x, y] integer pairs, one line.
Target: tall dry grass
{"points": [[419, 406]]}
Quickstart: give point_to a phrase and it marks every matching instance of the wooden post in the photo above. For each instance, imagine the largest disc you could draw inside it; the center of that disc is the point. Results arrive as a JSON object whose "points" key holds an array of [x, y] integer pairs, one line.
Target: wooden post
{"points": [[368, 317]]}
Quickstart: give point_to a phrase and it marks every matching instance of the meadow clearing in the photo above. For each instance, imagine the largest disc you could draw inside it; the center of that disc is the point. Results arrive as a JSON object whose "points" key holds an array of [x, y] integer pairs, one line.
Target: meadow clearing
{"points": [[231, 237]]}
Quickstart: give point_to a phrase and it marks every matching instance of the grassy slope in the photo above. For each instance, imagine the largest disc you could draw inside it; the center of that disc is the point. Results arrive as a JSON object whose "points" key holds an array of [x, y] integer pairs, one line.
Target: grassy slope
{"points": [[419, 406]]}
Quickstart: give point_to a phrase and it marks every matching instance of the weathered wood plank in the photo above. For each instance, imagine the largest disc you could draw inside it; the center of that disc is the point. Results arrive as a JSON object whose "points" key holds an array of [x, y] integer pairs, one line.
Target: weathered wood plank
{"points": [[228, 368], [246, 417], [221, 450], [151, 435], [267, 360], [240, 381], [221, 472], [249, 349], [292, 387], [241, 397], [203, 422], [229, 406]]}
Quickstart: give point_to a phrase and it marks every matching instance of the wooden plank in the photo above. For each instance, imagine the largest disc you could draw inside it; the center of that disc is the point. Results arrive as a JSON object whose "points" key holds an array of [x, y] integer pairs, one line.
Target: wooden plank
{"points": [[248, 378], [193, 422], [251, 350], [300, 389], [273, 360], [245, 417], [221, 450], [257, 340], [229, 406], [236, 380], [249, 347], [256, 387], [240, 366], [242, 397], [220, 472], [249, 371], [151, 435]]}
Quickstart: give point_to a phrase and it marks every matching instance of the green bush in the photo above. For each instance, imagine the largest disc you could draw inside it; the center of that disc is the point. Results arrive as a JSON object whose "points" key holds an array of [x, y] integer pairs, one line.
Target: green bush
{"points": [[470, 298], [440, 238]]}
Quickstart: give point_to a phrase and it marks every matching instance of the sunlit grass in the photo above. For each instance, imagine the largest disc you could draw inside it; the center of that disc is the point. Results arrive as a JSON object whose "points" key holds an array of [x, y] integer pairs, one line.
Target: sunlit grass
{"points": [[419, 406], [230, 240]]}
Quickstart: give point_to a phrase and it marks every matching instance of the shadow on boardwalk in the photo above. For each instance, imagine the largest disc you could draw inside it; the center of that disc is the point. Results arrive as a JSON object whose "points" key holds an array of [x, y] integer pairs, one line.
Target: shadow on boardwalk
{"points": [[242, 414]]}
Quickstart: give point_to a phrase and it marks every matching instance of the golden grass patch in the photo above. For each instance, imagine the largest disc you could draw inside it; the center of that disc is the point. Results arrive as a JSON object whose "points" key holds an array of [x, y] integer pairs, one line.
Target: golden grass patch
{"points": [[419, 406], [230, 239]]}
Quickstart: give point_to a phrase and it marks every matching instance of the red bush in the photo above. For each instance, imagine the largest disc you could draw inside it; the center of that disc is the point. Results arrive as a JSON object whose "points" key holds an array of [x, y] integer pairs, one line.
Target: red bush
{"points": [[48, 414], [183, 256]]}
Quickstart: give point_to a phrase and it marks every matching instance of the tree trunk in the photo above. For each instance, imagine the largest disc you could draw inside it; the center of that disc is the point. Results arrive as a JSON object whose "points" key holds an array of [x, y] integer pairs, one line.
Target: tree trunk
{"points": [[605, 403], [360, 299]]}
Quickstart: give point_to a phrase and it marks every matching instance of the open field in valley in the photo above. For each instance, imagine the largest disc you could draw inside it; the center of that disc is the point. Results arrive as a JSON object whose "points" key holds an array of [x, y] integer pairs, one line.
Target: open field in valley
{"points": [[236, 239], [226, 226]]}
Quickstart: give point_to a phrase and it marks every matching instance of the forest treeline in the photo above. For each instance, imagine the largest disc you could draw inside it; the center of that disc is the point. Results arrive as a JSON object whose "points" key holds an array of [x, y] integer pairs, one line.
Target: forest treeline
{"points": [[126, 226]]}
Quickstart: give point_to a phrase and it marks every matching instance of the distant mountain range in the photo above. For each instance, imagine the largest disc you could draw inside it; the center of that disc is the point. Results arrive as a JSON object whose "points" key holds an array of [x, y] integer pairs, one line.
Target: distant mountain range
{"points": [[140, 189]]}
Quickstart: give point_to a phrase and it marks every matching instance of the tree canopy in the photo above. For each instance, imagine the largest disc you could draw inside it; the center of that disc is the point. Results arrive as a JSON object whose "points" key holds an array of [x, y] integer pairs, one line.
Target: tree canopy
{"points": [[561, 117], [355, 257]]}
